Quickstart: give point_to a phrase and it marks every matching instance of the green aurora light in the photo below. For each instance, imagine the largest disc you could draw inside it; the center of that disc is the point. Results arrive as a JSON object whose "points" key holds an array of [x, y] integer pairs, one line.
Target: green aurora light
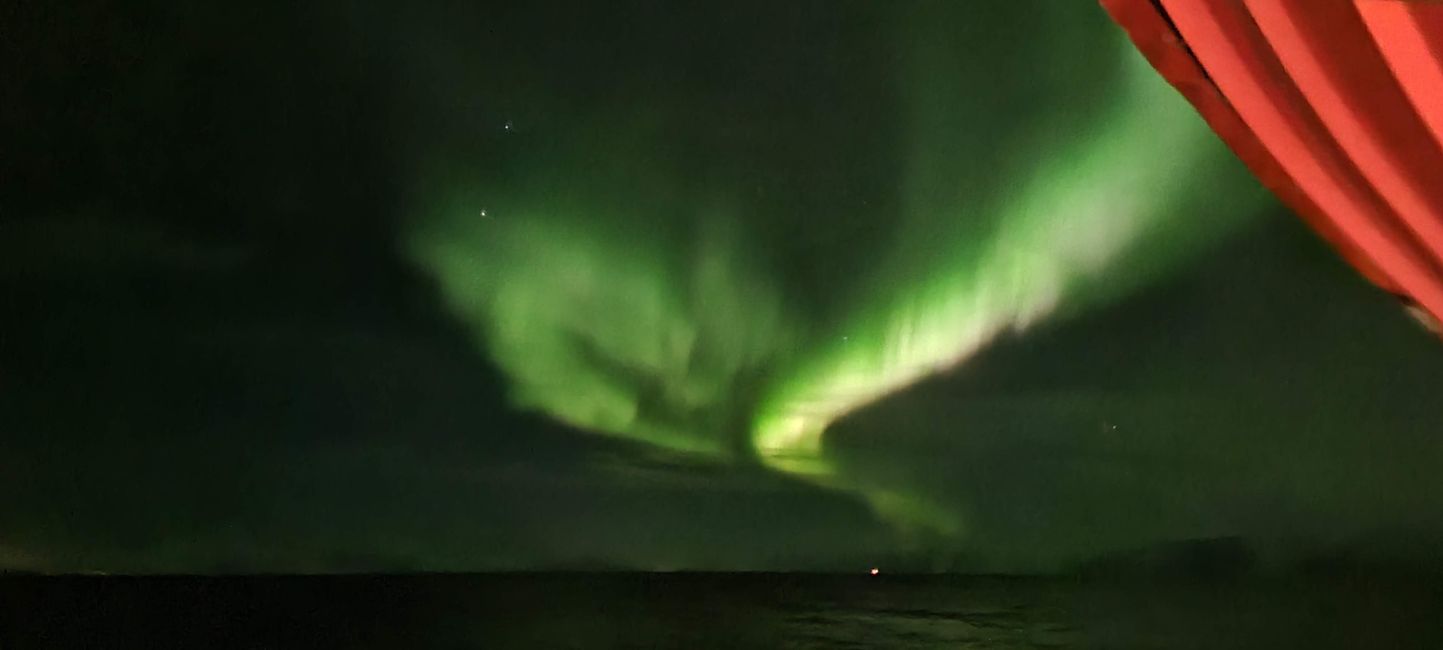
{"points": [[580, 293]]}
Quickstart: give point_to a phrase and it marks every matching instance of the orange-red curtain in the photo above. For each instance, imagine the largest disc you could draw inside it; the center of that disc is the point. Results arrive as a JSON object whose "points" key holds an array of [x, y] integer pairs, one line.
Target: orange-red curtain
{"points": [[1336, 105]]}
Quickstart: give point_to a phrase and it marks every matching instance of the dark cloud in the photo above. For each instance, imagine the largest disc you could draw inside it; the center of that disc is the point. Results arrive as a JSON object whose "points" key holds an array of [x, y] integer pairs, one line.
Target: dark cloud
{"points": [[1267, 392]]}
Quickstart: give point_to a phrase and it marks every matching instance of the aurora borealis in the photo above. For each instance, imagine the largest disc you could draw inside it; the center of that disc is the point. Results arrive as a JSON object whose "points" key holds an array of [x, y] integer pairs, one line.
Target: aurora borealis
{"points": [[797, 286], [608, 325]]}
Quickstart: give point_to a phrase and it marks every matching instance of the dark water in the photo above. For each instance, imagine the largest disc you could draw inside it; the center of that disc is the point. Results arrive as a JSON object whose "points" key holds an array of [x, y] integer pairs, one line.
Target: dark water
{"points": [[713, 611]]}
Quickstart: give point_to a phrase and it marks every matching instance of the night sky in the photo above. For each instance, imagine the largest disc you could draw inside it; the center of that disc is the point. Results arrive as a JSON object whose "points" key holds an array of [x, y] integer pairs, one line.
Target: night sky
{"points": [[665, 285]]}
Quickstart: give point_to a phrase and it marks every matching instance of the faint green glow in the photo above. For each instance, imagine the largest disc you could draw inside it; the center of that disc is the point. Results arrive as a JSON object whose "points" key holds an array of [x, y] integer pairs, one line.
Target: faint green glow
{"points": [[607, 316], [607, 330]]}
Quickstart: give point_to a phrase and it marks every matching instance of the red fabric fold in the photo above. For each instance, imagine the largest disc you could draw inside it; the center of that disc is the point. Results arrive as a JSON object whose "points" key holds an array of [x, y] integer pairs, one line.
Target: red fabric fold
{"points": [[1336, 106]]}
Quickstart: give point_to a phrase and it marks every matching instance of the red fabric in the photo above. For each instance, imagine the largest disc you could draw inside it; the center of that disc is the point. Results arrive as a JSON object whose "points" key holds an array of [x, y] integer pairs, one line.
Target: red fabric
{"points": [[1336, 105]]}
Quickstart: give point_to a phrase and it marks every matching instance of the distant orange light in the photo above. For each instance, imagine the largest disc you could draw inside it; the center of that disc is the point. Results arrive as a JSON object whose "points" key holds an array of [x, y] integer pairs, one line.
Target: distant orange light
{"points": [[875, 571]]}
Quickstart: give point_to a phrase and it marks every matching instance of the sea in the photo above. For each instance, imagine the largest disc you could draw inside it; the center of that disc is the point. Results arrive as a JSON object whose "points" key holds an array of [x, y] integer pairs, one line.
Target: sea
{"points": [[716, 610]]}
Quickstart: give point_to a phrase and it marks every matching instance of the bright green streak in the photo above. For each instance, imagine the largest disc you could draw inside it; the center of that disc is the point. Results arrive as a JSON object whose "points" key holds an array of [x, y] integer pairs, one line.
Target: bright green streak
{"points": [[1083, 210], [619, 298]]}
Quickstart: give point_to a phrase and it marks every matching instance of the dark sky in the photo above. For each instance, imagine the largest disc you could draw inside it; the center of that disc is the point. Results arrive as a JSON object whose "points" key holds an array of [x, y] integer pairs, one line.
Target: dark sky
{"points": [[220, 350]]}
